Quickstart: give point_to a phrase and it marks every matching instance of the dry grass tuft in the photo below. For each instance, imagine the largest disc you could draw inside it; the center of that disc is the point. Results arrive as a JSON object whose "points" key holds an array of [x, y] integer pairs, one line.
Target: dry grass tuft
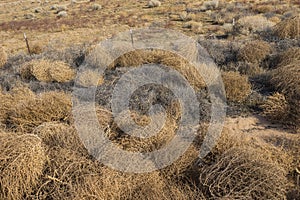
{"points": [[47, 71], [88, 78], [47, 107], [36, 48], [64, 170], [237, 86], [22, 160], [56, 134], [3, 57], [289, 28], [289, 56], [252, 24], [254, 51], [244, 172], [9, 101], [172, 60], [276, 108], [286, 79]]}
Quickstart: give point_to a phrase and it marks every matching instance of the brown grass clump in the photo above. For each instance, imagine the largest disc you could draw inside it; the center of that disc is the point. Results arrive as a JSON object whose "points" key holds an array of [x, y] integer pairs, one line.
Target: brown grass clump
{"points": [[244, 173], [22, 160], [88, 78], [254, 51], [237, 86], [47, 71], [289, 28], [289, 56], [3, 57], [172, 60], [276, 107], [64, 170], [56, 134], [36, 48], [8, 101], [286, 80], [47, 107], [255, 23]]}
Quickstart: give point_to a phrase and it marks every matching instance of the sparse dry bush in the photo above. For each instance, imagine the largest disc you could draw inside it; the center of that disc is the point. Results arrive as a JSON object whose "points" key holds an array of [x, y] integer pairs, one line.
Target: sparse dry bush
{"points": [[22, 160], [253, 24], [9, 101], [56, 134], [140, 57], [254, 51], [89, 78], [36, 48], [286, 80], [237, 86], [289, 56], [3, 57], [276, 108], [244, 173], [263, 8], [64, 170], [249, 69], [47, 71], [289, 28], [47, 107]]}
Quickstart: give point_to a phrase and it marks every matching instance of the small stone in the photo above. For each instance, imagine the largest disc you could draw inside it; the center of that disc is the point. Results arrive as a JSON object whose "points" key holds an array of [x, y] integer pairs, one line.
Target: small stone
{"points": [[154, 3], [62, 14], [29, 16]]}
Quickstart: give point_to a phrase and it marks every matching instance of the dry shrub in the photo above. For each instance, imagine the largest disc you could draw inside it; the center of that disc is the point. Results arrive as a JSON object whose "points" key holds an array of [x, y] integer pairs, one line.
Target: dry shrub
{"points": [[56, 134], [8, 101], [263, 8], [244, 173], [289, 56], [22, 159], [254, 51], [275, 108], [237, 86], [47, 107], [88, 78], [172, 60], [249, 69], [64, 170], [256, 23], [36, 48], [3, 57], [47, 71], [286, 79], [289, 28], [156, 142]]}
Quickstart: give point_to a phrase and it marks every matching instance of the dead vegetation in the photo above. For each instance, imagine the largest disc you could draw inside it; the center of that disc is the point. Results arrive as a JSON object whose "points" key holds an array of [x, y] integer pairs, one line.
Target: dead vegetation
{"points": [[289, 28], [289, 56], [22, 160], [46, 107], [254, 51], [3, 57], [286, 80], [42, 156], [47, 71], [237, 87], [140, 57], [276, 108]]}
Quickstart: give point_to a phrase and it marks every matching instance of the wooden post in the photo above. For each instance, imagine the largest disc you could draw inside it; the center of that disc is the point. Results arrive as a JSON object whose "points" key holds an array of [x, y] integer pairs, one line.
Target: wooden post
{"points": [[27, 44], [131, 34]]}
